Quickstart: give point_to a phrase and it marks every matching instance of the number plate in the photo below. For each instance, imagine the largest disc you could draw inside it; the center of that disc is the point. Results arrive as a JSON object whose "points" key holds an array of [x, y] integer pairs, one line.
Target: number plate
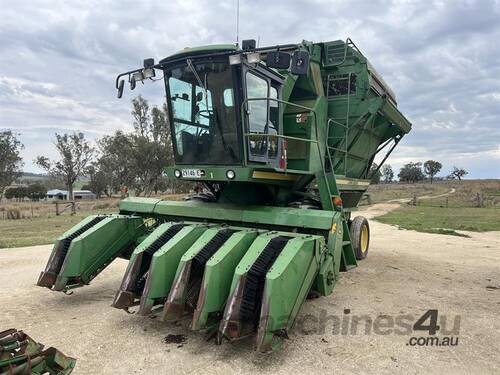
{"points": [[192, 173]]}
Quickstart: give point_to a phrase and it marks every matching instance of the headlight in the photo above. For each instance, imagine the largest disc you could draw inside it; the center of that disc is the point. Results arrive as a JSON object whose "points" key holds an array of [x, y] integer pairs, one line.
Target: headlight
{"points": [[177, 173], [230, 174]]}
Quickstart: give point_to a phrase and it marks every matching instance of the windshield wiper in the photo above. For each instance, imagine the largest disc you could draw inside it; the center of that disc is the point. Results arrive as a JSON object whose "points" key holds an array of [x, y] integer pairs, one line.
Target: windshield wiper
{"points": [[202, 84], [193, 69]]}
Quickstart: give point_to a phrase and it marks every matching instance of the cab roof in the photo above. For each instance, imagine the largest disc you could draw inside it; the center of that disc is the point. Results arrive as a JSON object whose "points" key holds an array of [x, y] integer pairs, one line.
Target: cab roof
{"points": [[192, 51]]}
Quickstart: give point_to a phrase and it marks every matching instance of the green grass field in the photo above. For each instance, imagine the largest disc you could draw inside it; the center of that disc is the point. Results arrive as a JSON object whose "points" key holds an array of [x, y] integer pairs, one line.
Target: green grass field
{"points": [[39, 224], [40, 230], [443, 220], [443, 207]]}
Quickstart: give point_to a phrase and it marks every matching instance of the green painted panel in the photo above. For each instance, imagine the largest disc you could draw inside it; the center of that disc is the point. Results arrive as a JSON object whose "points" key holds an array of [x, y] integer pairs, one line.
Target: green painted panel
{"points": [[287, 285], [127, 294], [164, 265], [76, 227], [138, 204], [217, 279], [93, 250], [279, 216]]}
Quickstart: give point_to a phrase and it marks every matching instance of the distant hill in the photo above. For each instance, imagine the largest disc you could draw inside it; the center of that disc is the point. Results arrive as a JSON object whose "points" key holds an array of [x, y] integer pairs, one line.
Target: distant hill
{"points": [[51, 183], [34, 176]]}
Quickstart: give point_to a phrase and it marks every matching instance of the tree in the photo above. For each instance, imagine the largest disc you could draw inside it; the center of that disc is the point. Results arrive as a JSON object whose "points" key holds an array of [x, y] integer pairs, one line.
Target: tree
{"points": [[137, 160], [10, 159], [432, 168], [98, 181], [140, 114], [411, 172], [18, 192], [387, 173], [75, 153], [115, 163], [10, 193], [152, 146], [457, 173], [36, 191]]}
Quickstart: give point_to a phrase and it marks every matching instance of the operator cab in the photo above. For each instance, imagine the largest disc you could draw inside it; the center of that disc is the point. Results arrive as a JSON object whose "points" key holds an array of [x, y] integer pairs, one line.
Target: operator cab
{"points": [[207, 88], [205, 96]]}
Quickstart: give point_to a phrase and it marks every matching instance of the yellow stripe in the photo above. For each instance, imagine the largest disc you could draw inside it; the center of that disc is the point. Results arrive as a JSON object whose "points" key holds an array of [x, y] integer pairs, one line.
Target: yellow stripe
{"points": [[352, 182], [273, 176]]}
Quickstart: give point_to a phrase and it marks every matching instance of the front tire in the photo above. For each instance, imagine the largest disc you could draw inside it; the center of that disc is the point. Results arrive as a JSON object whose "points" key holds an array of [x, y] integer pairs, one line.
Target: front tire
{"points": [[360, 236]]}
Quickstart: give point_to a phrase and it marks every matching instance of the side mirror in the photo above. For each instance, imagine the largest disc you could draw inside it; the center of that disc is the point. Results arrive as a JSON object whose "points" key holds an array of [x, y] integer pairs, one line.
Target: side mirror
{"points": [[278, 60], [199, 97], [132, 83], [120, 88], [300, 63]]}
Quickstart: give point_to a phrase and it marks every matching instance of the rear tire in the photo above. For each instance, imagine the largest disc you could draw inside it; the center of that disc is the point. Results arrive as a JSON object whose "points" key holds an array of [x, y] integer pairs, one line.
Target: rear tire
{"points": [[360, 236]]}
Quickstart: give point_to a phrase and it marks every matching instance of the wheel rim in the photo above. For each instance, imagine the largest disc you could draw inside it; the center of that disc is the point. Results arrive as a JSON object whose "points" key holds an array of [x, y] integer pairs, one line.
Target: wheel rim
{"points": [[364, 239]]}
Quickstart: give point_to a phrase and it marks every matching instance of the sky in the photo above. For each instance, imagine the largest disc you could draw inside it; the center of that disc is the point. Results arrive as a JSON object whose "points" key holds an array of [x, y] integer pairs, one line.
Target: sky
{"points": [[59, 61]]}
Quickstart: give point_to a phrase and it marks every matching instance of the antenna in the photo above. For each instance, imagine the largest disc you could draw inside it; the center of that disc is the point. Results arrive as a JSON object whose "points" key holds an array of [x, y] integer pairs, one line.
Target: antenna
{"points": [[237, 20]]}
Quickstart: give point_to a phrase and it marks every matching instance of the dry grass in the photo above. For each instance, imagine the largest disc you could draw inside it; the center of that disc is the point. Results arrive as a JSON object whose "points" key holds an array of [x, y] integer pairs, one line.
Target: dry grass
{"points": [[39, 225], [464, 195], [444, 220], [446, 214], [34, 210]]}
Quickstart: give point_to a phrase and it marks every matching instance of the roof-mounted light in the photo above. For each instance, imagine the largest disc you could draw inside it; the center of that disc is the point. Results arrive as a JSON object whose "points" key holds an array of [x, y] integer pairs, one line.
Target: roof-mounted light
{"points": [[235, 59], [253, 58], [137, 76], [148, 73]]}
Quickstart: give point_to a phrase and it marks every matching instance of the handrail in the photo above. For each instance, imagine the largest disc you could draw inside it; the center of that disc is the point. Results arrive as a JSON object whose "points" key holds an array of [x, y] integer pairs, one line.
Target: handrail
{"points": [[348, 114], [316, 141], [348, 109], [279, 101], [279, 136], [327, 146], [348, 43]]}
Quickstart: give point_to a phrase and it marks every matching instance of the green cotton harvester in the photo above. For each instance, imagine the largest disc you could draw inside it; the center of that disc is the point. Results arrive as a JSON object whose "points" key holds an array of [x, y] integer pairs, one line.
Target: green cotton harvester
{"points": [[282, 141]]}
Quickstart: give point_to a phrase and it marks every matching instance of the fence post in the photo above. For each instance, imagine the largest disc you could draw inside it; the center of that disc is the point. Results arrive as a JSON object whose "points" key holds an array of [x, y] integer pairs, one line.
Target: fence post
{"points": [[447, 202], [414, 200], [479, 199]]}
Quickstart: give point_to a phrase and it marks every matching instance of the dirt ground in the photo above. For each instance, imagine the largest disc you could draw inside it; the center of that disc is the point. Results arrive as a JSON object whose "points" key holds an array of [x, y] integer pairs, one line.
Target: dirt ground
{"points": [[406, 273]]}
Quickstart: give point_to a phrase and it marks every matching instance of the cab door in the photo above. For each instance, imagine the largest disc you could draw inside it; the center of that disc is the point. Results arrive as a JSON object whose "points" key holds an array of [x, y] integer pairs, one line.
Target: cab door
{"points": [[263, 116]]}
